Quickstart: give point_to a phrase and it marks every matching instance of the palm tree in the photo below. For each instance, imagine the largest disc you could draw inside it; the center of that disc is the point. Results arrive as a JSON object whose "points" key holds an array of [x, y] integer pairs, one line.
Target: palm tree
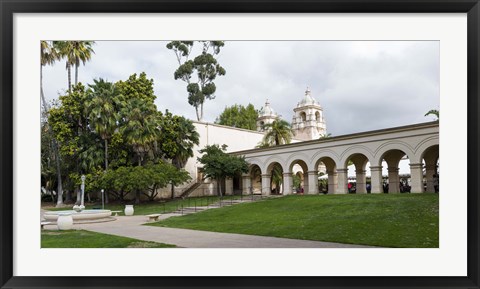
{"points": [[278, 132], [74, 52], [435, 112], [325, 136], [139, 126], [187, 137], [276, 178], [103, 115], [48, 56]]}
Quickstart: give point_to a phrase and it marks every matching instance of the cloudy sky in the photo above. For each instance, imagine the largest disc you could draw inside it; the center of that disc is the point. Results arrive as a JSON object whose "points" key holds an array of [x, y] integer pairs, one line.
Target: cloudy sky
{"points": [[361, 85]]}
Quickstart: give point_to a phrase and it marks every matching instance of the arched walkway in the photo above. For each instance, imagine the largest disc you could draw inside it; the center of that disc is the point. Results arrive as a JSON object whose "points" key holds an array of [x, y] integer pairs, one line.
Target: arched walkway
{"points": [[378, 151]]}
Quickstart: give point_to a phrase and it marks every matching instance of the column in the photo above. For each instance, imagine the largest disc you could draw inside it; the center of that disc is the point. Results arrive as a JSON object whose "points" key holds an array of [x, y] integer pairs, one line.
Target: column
{"points": [[376, 179], [342, 181], [287, 183], [312, 183], [393, 180], [266, 185], [332, 182], [430, 170], [246, 185], [416, 178], [228, 186], [361, 178]]}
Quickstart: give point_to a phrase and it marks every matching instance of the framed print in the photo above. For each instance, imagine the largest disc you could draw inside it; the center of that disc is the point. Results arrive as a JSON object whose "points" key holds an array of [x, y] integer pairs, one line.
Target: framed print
{"points": [[136, 104]]}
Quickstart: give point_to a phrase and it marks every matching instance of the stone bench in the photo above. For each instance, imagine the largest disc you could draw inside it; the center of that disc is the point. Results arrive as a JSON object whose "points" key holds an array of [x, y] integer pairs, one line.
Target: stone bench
{"points": [[44, 223], [153, 217], [116, 213]]}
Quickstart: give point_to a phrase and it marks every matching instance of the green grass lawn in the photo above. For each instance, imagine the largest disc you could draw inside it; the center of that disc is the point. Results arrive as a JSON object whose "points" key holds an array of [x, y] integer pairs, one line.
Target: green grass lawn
{"points": [[386, 220], [157, 206], [87, 239]]}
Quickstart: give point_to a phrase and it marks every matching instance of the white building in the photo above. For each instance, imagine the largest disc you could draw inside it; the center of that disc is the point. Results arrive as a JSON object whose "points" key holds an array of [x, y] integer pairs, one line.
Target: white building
{"points": [[309, 124]]}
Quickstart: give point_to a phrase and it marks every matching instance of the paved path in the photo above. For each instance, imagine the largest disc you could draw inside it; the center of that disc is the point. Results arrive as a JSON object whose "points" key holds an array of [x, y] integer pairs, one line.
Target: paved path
{"points": [[132, 227]]}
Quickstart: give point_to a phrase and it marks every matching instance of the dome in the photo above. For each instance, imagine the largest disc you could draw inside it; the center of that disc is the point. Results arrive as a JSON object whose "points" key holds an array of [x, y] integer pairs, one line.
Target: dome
{"points": [[308, 99], [267, 110]]}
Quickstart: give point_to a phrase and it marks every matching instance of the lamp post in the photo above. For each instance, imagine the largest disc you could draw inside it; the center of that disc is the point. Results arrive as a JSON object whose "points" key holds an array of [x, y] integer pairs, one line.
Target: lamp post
{"points": [[83, 191], [103, 204]]}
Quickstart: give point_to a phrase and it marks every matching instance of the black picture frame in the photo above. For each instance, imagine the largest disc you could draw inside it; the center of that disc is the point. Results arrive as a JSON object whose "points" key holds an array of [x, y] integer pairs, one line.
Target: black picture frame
{"points": [[9, 7]]}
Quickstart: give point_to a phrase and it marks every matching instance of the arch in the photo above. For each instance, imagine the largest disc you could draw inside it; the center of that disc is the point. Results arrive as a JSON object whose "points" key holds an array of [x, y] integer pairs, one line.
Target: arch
{"points": [[423, 146], [324, 153], [431, 158], [270, 160], [355, 150], [295, 157], [275, 178], [317, 116], [255, 161], [253, 167], [303, 116], [254, 185], [389, 146]]}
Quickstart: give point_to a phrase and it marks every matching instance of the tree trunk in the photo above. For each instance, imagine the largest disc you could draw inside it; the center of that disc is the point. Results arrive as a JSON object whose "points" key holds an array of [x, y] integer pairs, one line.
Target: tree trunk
{"points": [[219, 191], [59, 175], [173, 191], [201, 111], [76, 73], [55, 146], [106, 154], [69, 73], [198, 115], [137, 197]]}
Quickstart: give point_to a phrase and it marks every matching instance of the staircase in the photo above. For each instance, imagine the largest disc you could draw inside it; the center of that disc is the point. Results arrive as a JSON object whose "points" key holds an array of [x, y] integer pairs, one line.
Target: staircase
{"points": [[224, 203], [190, 189]]}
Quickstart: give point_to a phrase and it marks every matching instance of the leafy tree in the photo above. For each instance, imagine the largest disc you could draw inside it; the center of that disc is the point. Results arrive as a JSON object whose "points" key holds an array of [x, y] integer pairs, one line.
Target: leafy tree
{"points": [[136, 87], [218, 165], [74, 52], [239, 116], [277, 133], [142, 179], [69, 123], [434, 112], [205, 66]]}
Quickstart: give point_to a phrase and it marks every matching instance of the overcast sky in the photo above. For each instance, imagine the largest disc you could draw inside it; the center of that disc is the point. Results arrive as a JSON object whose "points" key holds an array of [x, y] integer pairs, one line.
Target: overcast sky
{"points": [[361, 85]]}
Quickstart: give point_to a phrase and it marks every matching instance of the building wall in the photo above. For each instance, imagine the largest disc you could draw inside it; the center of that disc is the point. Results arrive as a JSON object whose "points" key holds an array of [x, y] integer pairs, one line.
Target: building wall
{"points": [[236, 140]]}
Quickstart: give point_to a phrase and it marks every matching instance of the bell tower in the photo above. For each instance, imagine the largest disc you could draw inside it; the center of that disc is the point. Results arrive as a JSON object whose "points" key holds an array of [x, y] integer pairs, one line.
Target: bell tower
{"points": [[265, 116], [308, 122]]}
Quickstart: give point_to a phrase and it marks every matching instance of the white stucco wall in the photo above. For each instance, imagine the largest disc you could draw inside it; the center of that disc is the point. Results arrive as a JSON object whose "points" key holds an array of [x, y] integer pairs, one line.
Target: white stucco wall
{"points": [[236, 139]]}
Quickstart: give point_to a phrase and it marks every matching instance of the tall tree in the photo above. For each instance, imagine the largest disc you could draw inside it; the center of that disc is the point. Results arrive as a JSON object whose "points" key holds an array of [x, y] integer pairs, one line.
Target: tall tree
{"points": [[74, 52], [48, 56], [239, 116], [205, 66], [103, 115], [278, 132], [218, 165]]}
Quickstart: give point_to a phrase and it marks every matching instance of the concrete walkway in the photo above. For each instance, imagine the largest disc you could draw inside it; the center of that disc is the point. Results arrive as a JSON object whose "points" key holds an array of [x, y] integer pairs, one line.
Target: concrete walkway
{"points": [[131, 226]]}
